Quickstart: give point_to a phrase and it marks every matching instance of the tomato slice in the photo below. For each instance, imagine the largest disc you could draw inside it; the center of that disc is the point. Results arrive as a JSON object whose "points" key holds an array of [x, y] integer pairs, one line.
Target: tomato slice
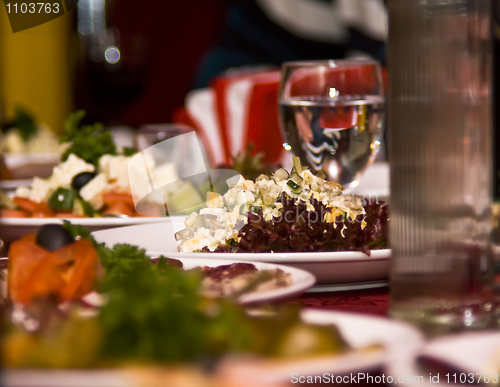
{"points": [[120, 208], [112, 198], [24, 256], [80, 276], [29, 238], [34, 272], [67, 215], [42, 210], [42, 281], [9, 213], [24, 204]]}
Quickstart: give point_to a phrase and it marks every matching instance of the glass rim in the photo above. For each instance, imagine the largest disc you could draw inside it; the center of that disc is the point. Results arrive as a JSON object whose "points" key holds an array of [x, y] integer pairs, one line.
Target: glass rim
{"points": [[332, 63]]}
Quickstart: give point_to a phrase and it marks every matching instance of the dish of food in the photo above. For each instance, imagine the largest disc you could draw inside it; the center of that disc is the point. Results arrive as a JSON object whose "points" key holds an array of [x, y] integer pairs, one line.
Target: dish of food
{"points": [[294, 218], [388, 340], [29, 148], [65, 257], [24, 136], [255, 282], [152, 311], [285, 212], [225, 278], [95, 179], [92, 179], [333, 270]]}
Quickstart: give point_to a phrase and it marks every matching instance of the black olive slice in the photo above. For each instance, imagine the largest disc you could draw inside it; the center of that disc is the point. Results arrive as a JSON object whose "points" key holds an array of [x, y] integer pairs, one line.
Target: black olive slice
{"points": [[53, 237]]}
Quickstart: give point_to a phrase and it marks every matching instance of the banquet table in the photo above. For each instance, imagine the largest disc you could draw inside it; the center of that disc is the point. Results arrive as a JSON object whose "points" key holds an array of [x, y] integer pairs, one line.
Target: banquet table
{"points": [[366, 301], [371, 301]]}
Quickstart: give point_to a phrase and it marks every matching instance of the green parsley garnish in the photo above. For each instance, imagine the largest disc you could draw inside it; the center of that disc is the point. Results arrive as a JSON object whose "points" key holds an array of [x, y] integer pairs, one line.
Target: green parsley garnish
{"points": [[24, 123], [89, 142], [155, 312], [128, 151]]}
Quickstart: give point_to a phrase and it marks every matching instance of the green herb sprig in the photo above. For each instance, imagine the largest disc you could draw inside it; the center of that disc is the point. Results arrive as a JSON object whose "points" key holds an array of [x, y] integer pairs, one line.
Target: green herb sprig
{"points": [[89, 142], [24, 123]]}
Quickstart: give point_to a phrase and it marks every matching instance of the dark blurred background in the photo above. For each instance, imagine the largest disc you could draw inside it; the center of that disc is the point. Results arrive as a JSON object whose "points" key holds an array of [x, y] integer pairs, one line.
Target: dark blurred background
{"points": [[131, 63]]}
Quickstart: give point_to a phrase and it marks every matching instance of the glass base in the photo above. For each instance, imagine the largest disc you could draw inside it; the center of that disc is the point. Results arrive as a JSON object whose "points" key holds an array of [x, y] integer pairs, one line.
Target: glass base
{"points": [[437, 319]]}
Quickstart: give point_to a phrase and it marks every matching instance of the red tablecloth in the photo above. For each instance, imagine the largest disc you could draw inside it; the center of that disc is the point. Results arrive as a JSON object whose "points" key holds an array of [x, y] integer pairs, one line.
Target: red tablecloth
{"points": [[371, 301]]}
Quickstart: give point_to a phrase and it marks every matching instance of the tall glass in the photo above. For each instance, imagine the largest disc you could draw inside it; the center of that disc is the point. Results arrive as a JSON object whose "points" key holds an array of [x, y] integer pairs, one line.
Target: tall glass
{"points": [[332, 115], [440, 140]]}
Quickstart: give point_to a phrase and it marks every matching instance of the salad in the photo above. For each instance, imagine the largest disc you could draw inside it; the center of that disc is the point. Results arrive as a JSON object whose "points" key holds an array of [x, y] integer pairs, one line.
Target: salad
{"points": [[149, 312], [296, 211], [25, 136], [92, 180]]}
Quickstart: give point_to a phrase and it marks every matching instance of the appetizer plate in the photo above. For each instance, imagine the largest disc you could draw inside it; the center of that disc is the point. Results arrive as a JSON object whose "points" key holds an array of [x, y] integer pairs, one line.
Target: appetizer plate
{"points": [[389, 340], [333, 270], [301, 279]]}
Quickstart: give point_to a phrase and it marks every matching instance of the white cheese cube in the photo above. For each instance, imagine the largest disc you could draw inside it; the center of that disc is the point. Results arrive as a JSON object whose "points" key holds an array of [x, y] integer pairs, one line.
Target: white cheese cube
{"points": [[189, 221], [163, 175], [205, 232], [212, 211], [63, 174], [93, 191], [245, 197], [116, 170], [220, 234], [249, 184], [23, 192], [41, 189]]}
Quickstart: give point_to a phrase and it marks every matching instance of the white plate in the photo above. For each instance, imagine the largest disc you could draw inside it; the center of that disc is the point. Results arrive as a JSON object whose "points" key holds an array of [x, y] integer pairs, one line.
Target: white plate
{"points": [[398, 340], [330, 268], [301, 280], [11, 185], [31, 165], [476, 353], [14, 228]]}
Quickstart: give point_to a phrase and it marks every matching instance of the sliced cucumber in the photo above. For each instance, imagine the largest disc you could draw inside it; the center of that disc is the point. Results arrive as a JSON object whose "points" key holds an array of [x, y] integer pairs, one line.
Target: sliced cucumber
{"points": [[82, 207], [308, 179], [281, 174], [265, 196], [296, 178], [321, 175], [297, 164], [62, 199], [293, 185]]}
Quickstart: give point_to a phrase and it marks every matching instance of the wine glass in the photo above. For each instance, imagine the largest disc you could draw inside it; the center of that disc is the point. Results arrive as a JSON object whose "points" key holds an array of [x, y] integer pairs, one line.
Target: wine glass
{"points": [[332, 115]]}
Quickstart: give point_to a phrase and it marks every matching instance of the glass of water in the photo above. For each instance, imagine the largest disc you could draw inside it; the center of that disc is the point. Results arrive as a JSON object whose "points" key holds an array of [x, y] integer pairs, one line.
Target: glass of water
{"points": [[332, 115]]}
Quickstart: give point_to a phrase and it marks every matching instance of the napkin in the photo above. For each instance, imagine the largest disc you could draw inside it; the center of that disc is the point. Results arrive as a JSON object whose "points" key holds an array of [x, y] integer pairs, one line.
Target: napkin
{"points": [[235, 111]]}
